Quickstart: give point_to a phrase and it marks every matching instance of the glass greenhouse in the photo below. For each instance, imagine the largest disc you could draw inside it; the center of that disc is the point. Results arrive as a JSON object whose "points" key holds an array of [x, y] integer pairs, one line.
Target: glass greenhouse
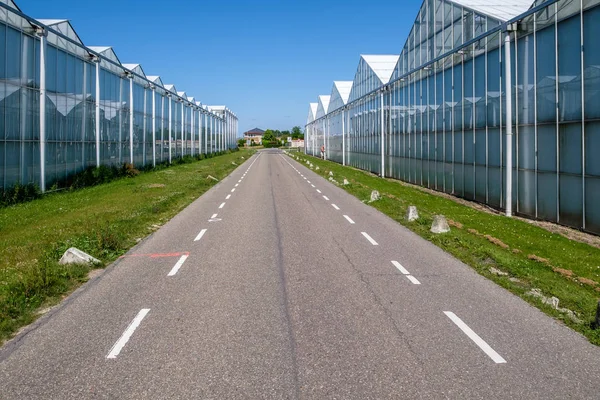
{"points": [[65, 106], [436, 115]]}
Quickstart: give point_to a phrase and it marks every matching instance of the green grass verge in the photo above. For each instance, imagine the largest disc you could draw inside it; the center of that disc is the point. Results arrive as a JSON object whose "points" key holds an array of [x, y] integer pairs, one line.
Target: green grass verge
{"points": [[104, 221], [531, 256]]}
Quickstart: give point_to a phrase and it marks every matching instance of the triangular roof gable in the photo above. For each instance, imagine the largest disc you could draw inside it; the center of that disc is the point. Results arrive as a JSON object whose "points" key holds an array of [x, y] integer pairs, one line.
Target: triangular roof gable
{"points": [[312, 112], [373, 71], [323, 106], [63, 26], [492, 11], [135, 68], [183, 95], [107, 52], [340, 93], [155, 79], [171, 88], [502, 11], [256, 131]]}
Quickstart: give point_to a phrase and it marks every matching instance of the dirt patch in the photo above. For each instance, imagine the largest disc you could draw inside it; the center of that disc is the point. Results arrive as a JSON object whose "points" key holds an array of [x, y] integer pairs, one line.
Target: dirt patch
{"points": [[156, 185], [455, 224], [538, 259], [587, 281], [564, 272], [496, 241], [516, 251], [473, 231]]}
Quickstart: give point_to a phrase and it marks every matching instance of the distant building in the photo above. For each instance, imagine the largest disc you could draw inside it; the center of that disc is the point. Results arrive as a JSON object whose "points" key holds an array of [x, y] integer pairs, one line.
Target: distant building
{"points": [[254, 134]]}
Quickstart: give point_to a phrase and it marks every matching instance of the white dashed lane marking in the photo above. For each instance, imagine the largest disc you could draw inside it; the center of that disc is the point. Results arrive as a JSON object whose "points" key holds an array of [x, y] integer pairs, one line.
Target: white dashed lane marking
{"points": [[370, 239], [487, 349], [349, 219], [118, 346]]}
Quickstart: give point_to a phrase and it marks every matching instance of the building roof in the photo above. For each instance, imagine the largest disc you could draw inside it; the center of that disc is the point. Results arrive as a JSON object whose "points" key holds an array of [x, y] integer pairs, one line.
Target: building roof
{"points": [[382, 65], [255, 131], [344, 88], [502, 10]]}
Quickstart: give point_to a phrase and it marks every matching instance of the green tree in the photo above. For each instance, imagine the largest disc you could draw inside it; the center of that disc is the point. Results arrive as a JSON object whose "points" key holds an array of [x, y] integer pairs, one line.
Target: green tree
{"points": [[297, 132], [269, 139], [241, 142]]}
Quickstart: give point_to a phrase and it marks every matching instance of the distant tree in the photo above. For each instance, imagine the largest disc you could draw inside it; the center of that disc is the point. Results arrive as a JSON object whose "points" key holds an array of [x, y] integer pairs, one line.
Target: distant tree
{"points": [[296, 133], [269, 139], [241, 142]]}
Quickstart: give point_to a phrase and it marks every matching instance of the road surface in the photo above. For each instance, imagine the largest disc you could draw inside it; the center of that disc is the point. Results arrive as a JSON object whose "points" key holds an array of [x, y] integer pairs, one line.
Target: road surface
{"points": [[277, 284]]}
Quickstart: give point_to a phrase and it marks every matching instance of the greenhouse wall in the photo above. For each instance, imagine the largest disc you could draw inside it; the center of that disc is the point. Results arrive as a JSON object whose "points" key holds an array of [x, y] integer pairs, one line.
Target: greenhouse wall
{"points": [[444, 112], [65, 107]]}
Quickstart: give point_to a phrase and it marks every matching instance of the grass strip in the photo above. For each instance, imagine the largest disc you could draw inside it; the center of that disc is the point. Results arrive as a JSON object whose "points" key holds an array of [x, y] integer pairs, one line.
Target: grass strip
{"points": [[515, 254], [104, 221]]}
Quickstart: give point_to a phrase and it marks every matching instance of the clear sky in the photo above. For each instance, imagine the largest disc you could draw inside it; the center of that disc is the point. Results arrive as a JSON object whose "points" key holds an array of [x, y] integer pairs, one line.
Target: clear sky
{"points": [[264, 59]]}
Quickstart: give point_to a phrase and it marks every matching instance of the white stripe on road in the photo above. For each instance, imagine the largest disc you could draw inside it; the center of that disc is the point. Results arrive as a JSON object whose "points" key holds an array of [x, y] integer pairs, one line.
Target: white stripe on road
{"points": [[318, 191], [336, 207], [475, 337], [349, 219], [237, 184], [228, 197], [178, 265], [240, 181], [370, 239], [214, 216], [307, 181], [203, 231], [232, 190], [118, 346], [413, 280], [400, 268], [326, 198], [312, 185], [222, 205]]}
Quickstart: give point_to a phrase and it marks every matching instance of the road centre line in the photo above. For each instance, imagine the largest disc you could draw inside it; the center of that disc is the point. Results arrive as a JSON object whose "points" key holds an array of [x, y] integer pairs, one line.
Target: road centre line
{"points": [[370, 239], [178, 265], [336, 207], [232, 190], [240, 181], [214, 216], [237, 184], [307, 181], [475, 338], [119, 344], [326, 198], [414, 280], [400, 268], [228, 197], [222, 205], [349, 219], [312, 185], [318, 191]]}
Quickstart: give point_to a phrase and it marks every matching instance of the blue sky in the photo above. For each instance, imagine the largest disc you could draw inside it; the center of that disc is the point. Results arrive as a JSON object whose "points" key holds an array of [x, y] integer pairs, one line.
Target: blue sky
{"points": [[264, 59]]}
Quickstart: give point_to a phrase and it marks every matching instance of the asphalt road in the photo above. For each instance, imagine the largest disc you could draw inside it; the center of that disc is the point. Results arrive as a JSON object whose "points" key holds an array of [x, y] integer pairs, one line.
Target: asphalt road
{"points": [[277, 284]]}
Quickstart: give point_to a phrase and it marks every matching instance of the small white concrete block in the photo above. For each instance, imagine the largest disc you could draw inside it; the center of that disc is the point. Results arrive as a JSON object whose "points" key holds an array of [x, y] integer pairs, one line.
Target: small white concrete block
{"points": [[375, 195], [330, 173], [76, 256], [412, 214], [346, 182], [440, 225], [317, 168]]}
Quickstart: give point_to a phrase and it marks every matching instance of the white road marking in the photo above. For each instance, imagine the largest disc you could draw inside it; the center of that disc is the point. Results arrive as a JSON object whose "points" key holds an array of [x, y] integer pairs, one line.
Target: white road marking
{"points": [[312, 185], [228, 197], [326, 198], [240, 181], [400, 268], [318, 191], [475, 338], [413, 280], [232, 190], [370, 239], [307, 181], [178, 265], [304, 178], [214, 216], [203, 231], [222, 205], [237, 184], [118, 346], [349, 219], [336, 207]]}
